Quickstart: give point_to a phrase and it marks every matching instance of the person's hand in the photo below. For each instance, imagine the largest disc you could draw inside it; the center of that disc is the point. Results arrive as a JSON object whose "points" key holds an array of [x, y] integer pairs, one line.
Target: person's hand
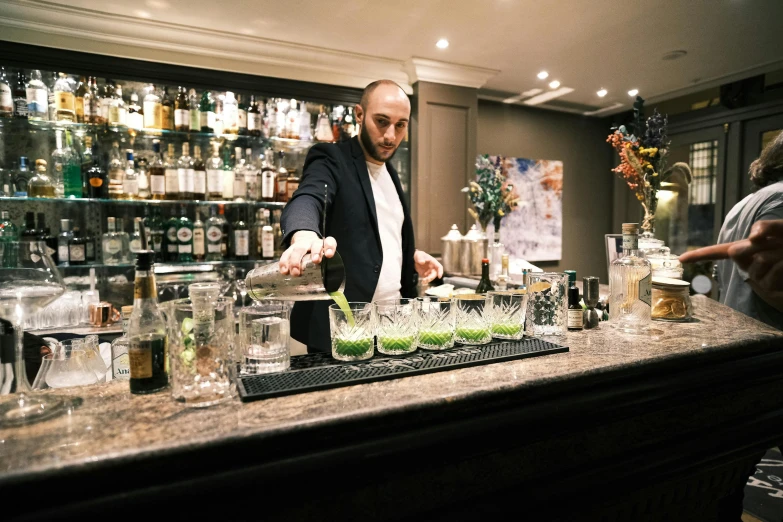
{"points": [[427, 267], [303, 242]]}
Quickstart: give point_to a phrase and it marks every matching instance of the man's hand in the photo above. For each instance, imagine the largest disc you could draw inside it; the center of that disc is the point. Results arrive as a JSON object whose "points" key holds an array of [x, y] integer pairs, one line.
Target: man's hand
{"points": [[303, 242], [427, 267]]}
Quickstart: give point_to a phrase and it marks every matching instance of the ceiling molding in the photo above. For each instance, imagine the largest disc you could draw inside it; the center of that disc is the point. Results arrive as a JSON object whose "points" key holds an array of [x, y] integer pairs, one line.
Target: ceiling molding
{"points": [[48, 24], [424, 70]]}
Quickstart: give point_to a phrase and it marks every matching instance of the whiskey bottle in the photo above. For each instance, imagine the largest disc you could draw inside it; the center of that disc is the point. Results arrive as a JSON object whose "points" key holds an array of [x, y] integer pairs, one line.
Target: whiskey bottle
{"points": [[104, 105], [630, 282], [240, 184], [228, 176], [171, 174], [64, 99], [81, 90], [157, 172], [254, 123], [135, 118], [152, 109], [575, 317], [199, 175], [147, 343], [185, 174], [167, 111], [267, 237], [19, 94], [195, 111], [304, 124], [92, 102], [242, 115], [230, 114], [181, 110], [214, 169], [292, 184], [268, 178]]}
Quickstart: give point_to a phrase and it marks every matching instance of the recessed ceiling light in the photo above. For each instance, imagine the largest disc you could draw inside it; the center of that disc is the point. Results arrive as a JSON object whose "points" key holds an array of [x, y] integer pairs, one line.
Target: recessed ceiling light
{"points": [[633, 92], [442, 43], [543, 75], [554, 84], [143, 14], [602, 93]]}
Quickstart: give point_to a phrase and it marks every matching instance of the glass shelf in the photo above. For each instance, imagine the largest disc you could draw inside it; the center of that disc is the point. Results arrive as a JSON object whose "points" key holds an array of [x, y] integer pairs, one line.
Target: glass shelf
{"points": [[260, 204], [171, 268]]}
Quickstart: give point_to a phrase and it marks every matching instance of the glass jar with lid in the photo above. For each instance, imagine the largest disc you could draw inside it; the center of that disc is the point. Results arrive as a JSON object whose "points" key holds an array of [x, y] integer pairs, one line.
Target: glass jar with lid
{"points": [[671, 300], [665, 264]]}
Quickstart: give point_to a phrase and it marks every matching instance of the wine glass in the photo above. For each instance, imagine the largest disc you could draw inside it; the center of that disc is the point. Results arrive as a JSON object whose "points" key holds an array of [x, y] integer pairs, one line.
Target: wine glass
{"points": [[29, 280]]}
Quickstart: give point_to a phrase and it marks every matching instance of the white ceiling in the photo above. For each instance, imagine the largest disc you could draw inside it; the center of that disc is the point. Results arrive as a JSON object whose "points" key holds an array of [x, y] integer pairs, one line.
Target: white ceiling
{"points": [[585, 45]]}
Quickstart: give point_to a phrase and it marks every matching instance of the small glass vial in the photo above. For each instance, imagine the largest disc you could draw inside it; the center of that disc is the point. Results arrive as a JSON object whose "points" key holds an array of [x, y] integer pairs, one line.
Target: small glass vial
{"points": [[575, 318], [120, 365]]}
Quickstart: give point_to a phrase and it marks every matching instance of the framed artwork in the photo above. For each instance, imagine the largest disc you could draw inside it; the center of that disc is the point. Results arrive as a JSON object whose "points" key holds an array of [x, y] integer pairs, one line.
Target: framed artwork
{"points": [[614, 248]]}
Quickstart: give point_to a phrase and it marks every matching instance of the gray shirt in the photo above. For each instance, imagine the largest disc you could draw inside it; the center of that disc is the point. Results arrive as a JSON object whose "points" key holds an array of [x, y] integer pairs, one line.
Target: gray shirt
{"points": [[766, 203]]}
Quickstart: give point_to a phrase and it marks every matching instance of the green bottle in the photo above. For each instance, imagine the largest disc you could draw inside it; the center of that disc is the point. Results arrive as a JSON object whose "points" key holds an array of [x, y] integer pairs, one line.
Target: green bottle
{"points": [[184, 237], [207, 110], [72, 169], [170, 242], [153, 225], [8, 231], [484, 285], [241, 239]]}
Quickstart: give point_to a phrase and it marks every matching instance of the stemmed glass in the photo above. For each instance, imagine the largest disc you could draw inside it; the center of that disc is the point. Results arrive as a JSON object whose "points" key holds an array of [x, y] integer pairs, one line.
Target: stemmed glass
{"points": [[29, 280]]}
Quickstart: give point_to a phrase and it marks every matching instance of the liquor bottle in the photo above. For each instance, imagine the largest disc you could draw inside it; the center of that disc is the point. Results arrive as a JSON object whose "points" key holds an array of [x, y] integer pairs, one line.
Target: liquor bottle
{"points": [[267, 238], [104, 102], [37, 97], [501, 282], [147, 344], [130, 182], [630, 283], [98, 183], [268, 178], [214, 169], [89, 246], [64, 99], [181, 110], [167, 110], [224, 229], [305, 122], [282, 178], [219, 127], [251, 176], [153, 225], [185, 174], [484, 285], [240, 185], [77, 249], [19, 95], [63, 239], [92, 102], [348, 126], [8, 231], [496, 250], [81, 90], [85, 163], [184, 237], [68, 181], [29, 232], [143, 175], [111, 244], [228, 176], [6, 98], [40, 185], [281, 109], [241, 242], [195, 111], [207, 110], [254, 123], [199, 175], [293, 183], [323, 127], [242, 115], [278, 232], [575, 318], [171, 174], [120, 363], [21, 178], [50, 103], [135, 119], [157, 172], [152, 109], [117, 111], [230, 114], [292, 122], [199, 238], [46, 236], [171, 244], [116, 172], [135, 239], [214, 233]]}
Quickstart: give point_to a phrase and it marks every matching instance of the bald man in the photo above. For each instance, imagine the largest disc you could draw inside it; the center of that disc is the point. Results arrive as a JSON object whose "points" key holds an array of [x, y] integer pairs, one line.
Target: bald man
{"points": [[366, 216]]}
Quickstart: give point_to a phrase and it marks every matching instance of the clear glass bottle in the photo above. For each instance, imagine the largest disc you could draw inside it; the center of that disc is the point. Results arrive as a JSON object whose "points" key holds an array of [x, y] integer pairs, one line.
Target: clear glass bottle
{"points": [[143, 175], [282, 178], [241, 239], [120, 365], [199, 238], [323, 127], [21, 178], [135, 239], [37, 97], [496, 251], [40, 185], [148, 347], [219, 127], [214, 168], [130, 181], [199, 175], [214, 236], [240, 185], [112, 244], [186, 174], [305, 133], [50, 98], [6, 97], [64, 99], [251, 176], [135, 118], [116, 172], [501, 282], [157, 172], [117, 110], [152, 109], [230, 114], [63, 239], [630, 282], [195, 111], [60, 159], [228, 176], [267, 237], [292, 121], [171, 174], [19, 95], [268, 178]]}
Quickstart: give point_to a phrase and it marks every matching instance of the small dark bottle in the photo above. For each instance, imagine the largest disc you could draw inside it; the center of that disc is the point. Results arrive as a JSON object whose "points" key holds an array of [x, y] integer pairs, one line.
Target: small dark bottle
{"points": [[77, 248], [97, 182], [45, 235], [29, 232], [241, 243], [575, 320], [484, 285]]}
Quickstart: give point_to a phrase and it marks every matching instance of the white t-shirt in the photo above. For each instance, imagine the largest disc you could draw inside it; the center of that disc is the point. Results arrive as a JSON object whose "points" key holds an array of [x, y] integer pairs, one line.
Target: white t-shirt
{"points": [[390, 218]]}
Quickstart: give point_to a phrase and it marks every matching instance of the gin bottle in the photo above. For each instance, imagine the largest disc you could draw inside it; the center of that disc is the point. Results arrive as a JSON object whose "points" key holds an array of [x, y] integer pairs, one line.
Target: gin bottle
{"points": [[37, 97], [630, 282]]}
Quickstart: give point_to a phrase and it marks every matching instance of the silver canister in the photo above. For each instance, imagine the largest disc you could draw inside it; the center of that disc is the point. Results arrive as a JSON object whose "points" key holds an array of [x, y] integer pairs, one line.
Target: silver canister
{"points": [[474, 249], [591, 291], [452, 249]]}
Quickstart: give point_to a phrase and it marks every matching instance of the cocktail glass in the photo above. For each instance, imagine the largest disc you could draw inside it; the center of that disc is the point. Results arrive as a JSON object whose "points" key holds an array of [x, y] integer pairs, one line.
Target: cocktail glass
{"points": [[264, 330], [316, 282], [396, 325], [29, 280], [437, 320], [473, 319], [547, 304], [507, 314], [352, 337], [67, 367]]}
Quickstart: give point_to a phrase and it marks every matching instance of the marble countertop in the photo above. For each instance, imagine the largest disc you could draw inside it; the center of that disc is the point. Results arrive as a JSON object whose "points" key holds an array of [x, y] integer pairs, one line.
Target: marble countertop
{"points": [[114, 427]]}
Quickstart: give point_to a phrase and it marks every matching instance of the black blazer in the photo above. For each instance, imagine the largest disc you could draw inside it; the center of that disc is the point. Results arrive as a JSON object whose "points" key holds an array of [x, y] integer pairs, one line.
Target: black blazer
{"points": [[352, 220]]}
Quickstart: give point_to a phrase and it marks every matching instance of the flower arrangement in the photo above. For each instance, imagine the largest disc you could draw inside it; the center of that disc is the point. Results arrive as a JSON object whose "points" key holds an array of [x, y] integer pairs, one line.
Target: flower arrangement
{"points": [[491, 194], [642, 148]]}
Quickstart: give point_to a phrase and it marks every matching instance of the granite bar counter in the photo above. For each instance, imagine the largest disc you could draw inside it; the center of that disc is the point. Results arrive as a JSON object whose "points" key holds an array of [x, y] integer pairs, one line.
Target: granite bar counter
{"points": [[665, 426]]}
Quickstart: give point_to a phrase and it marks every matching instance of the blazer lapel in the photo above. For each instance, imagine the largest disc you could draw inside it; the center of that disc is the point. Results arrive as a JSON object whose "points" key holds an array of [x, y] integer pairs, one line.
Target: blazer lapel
{"points": [[364, 179]]}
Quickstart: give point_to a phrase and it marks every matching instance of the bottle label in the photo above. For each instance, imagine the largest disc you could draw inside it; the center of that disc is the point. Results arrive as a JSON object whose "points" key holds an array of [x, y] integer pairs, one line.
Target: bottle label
{"points": [[6, 100], [267, 244], [157, 241], [140, 360], [171, 234], [208, 119], [630, 242], [120, 367], [200, 182], [185, 249], [181, 117], [37, 100], [195, 119], [268, 185], [130, 187], [215, 181], [20, 106], [152, 115], [240, 187], [79, 106], [242, 119], [165, 115], [241, 242], [172, 181], [62, 253], [228, 184], [64, 101], [158, 185], [184, 234], [114, 114], [253, 121], [186, 179], [198, 241], [112, 246], [76, 253], [135, 120], [135, 245], [645, 289], [214, 234], [575, 319]]}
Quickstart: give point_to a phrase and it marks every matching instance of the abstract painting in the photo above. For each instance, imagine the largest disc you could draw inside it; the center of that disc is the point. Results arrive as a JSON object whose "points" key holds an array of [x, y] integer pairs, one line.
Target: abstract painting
{"points": [[534, 230]]}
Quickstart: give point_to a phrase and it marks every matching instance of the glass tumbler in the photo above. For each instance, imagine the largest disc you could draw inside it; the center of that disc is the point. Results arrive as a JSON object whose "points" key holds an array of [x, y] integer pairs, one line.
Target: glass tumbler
{"points": [[66, 367], [396, 326], [473, 319], [507, 314], [201, 346], [437, 320], [352, 331], [547, 304], [264, 329]]}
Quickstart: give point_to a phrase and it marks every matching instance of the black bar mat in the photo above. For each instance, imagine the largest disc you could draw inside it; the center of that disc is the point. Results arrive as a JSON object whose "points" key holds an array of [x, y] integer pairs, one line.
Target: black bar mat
{"points": [[320, 372]]}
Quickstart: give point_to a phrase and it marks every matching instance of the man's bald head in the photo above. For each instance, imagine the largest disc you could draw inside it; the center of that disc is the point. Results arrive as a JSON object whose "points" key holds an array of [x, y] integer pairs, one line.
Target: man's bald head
{"points": [[367, 93]]}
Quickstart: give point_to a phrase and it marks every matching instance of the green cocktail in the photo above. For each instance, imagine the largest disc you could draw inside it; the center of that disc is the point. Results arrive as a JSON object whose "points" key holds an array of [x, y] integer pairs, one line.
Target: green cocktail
{"points": [[436, 339], [394, 345], [507, 331], [473, 335], [340, 300], [353, 349]]}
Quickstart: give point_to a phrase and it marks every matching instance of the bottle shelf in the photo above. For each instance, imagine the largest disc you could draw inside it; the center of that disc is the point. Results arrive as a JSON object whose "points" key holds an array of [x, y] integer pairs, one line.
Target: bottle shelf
{"points": [[260, 204], [173, 268]]}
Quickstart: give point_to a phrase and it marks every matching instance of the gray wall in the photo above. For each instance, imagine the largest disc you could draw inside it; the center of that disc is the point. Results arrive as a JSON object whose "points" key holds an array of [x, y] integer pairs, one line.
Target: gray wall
{"points": [[588, 184]]}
